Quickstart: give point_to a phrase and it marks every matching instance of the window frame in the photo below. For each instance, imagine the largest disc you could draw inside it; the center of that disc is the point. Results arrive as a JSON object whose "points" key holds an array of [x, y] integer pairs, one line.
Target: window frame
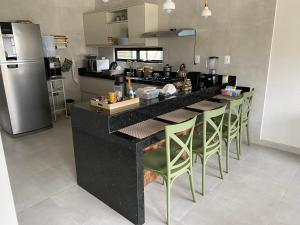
{"points": [[138, 54]]}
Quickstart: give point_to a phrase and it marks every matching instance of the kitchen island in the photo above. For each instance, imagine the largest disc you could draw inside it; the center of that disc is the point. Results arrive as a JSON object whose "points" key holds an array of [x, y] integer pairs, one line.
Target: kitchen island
{"points": [[109, 163]]}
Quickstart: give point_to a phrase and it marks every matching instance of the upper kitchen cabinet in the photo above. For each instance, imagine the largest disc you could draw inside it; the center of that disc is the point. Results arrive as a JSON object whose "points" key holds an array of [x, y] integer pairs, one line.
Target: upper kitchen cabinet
{"points": [[95, 28], [117, 23], [104, 28], [141, 19]]}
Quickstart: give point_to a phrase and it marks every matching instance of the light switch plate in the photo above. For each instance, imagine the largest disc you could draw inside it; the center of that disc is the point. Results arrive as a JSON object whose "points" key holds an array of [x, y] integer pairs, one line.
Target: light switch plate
{"points": [[197, 59], [227, 59]]}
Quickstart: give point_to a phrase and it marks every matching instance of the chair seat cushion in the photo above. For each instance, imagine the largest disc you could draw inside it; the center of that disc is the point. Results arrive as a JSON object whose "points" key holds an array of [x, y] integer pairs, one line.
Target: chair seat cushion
{"points": [[234, 129], [157, 160]]}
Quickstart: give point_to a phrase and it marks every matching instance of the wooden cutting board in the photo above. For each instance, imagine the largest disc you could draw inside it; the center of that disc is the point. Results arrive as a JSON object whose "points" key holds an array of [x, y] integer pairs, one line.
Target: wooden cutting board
{"points": [[125, 103]]}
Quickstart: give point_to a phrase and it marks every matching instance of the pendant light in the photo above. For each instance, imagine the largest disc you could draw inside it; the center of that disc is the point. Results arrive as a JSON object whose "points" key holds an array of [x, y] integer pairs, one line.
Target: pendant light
{"points": [[105, 1], [206, 11], [169, 6]]}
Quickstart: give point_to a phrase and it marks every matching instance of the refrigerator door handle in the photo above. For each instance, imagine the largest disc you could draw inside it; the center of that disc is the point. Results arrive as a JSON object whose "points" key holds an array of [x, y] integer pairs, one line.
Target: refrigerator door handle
{"points": [[12, 66]]}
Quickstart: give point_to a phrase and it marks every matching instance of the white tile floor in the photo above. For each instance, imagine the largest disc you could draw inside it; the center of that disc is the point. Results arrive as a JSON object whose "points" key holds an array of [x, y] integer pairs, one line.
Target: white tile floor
{"points": [[261, 189]]}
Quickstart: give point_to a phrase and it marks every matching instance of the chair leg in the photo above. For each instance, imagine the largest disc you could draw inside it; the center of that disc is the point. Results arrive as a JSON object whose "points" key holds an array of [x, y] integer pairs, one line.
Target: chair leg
{"points": [[196, 158], [192, 186], [238, 146], [168, 201], [203, 176], [248, 134], [220, 164], [241, 138], [227, 156]]}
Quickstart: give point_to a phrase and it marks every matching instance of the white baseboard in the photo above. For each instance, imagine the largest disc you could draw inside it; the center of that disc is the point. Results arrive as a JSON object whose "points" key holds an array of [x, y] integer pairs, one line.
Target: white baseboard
{"points": [[278, 146]]}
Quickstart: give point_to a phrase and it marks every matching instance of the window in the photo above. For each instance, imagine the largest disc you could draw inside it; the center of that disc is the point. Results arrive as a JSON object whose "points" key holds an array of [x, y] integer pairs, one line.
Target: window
{"points": [[151, 56], [124, 55], [147, 55]]}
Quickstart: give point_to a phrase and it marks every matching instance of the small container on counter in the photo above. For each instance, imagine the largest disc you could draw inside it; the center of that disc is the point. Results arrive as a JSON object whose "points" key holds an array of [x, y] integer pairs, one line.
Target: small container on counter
{"points": [[112, 97], [120, 86]]}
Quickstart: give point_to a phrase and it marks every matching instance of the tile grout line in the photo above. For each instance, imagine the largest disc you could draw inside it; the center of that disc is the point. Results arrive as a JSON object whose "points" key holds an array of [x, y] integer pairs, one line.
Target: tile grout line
{"points": [[48, 198]]}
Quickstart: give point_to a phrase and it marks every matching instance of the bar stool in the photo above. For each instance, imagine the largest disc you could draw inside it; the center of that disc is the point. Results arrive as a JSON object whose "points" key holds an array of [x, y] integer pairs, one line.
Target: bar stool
{"points": [[231, 127], [171, 162], [208, 139], [247, 105]]}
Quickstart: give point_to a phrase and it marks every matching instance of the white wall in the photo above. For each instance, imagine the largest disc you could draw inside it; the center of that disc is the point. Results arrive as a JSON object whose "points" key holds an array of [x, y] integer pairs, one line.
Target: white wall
{"points": [[281, 121], [7, 207], [60, 17]]}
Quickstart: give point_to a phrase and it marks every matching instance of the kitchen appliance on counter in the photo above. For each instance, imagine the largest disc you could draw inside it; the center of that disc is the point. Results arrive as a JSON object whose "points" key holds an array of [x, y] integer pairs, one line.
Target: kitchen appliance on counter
{"points": [[90, 63], [24, 101], [53, 68], [102, 64], [212, 64], [120, 86], [139, 72], [113, 70], [182, 72], [95, 65], [148, 71], [167, 70]]}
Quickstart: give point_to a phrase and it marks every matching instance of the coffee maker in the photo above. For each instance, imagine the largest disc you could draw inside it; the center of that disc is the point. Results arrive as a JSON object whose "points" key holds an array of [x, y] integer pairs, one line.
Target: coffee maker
{"points": [[212, 64], [53, 68]]}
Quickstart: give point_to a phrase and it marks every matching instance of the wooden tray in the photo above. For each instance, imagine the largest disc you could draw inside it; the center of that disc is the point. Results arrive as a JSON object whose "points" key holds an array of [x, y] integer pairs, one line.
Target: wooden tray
{"points": [[117, 105]]}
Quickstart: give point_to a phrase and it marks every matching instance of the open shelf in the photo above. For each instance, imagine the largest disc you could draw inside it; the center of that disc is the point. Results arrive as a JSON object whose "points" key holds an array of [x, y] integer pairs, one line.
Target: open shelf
{"points": [[119, 16], [121, 21]]}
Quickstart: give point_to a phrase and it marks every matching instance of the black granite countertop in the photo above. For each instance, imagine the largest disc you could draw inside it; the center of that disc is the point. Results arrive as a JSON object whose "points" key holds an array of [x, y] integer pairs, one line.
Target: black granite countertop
{"points": [[138, 80], [148, 109]]}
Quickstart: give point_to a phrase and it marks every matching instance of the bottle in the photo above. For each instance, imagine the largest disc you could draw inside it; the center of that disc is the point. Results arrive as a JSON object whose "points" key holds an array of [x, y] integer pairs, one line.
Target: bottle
{"points": [[130, 89], [120, 86], [131, 93]]}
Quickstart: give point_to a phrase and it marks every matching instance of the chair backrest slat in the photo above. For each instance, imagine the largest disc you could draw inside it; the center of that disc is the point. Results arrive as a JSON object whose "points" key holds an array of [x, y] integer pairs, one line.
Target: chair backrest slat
{"points": [[212, 128], [234, 116], [247, 105], [183, 156]]}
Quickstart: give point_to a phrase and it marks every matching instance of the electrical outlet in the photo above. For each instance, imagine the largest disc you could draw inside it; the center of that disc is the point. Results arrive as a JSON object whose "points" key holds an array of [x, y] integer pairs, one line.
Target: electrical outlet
{"points": [[197, 59], [227, 59]]}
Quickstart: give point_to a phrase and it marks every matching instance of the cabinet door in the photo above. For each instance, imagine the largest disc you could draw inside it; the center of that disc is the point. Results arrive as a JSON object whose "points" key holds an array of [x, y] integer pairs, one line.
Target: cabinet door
{"points": [[95, 28], [136, 24], [96, 86], [117, 29]]}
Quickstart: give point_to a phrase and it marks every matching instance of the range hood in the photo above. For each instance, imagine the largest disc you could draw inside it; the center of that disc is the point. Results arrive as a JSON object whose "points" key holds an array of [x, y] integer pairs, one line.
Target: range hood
{"points": [[184, 32]]}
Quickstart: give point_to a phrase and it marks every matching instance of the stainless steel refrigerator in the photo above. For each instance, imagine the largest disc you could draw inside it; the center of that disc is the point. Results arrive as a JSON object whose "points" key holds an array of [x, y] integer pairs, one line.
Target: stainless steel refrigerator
{"points": [[24, 101]]}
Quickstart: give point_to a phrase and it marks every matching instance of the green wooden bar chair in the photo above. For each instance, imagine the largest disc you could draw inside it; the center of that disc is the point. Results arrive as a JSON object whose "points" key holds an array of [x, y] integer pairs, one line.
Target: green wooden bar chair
{"points": [[208, 139], [175, 159], [231, 127], [247, 105]]}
